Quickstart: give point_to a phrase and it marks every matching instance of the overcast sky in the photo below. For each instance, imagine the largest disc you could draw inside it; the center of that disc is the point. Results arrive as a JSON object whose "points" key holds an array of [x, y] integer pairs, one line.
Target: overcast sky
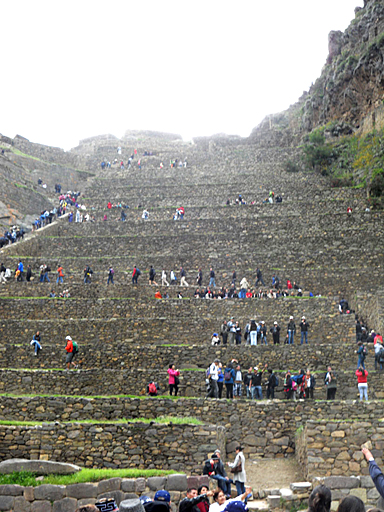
{"points": [[74, 69]]}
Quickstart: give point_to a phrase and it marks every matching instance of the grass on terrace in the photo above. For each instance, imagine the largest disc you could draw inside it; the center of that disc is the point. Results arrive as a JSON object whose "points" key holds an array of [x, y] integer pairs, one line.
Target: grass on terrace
{"points": [[164, 420], [27, 479]]}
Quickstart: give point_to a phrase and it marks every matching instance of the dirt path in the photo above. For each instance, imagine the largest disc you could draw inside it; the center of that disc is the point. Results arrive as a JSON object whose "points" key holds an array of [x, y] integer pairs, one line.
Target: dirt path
{"points": [[272, 473]]}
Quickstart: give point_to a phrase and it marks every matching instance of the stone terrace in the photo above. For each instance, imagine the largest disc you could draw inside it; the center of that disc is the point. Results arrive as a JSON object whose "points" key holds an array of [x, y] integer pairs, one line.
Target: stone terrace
{"points": [[127, 337]]}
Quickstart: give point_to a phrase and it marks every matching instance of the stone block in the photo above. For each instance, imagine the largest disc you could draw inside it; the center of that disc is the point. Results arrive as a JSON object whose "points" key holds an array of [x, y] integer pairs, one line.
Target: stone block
{"points": [[41, 506], [338, 433], [113, 484], [128, 484], [11, 490], [29, 493], [366, 482], [133, 496], [341, 482], [140, 485], [286, 494], [156, 483], [21, 505], [273, 501], [40, 467], [204, 480], [118, 496], [373, 494], [64, 505], [6, 502], [334, 506], [192, 481], [301, 486], [177, 482], [50, 492], [80, 491], [360, 493]]}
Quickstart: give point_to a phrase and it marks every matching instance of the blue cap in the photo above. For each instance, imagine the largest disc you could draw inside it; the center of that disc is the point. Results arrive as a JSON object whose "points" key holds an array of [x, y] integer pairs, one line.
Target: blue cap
{"points": [[145, 499], [163, 496], [236, 506]]}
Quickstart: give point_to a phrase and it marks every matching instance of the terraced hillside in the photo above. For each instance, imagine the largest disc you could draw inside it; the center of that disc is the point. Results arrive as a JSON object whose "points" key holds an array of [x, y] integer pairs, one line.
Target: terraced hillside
{"points": [[127, 337]]}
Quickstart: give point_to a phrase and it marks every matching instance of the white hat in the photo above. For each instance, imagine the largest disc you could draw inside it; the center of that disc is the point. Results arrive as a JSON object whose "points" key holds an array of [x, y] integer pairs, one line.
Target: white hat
{"points": [[291, 317], [303, 317], [256, 368], [275, 322], [68, 338]]}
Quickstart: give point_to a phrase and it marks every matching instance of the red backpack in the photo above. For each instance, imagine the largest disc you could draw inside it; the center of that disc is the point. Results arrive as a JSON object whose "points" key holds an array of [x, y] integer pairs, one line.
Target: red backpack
{"points": [[152, 388]]}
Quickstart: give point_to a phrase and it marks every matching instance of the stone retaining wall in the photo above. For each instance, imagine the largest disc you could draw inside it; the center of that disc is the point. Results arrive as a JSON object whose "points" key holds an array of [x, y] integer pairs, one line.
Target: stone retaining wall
{"points": [[54, 498], [265, 429], [155, 358], [119, 445], [104, 382], [333, 448]]}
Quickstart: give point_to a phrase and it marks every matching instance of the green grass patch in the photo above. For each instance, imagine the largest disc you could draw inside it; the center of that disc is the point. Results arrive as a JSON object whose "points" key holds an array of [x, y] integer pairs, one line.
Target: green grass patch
{"points": [[187, 420], [28, 479]]}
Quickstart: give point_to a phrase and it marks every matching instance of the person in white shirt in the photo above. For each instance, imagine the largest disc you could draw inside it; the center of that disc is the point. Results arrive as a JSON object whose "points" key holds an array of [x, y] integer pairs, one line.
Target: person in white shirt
{"points": [[213, 378]]}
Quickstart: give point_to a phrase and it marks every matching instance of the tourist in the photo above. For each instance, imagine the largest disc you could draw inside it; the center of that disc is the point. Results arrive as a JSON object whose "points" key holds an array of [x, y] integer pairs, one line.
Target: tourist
{"points": [[238, 384], [2, 273], [215, 469], [358, 330], [203, 505], [152, 275], [29, 273], [374, 471], [288, 385], [238, 469], [199, 277], [212, 283], [362, 385], [164, 281], [229, 379], [248, 382], [224, 332], [135, 275], [36, 343], [320, 499], [173, 278], [111, 273], [158, 295], [183, 282], [60, 276], [330, 381], [232, 331], [190, 502], [262, 333], [20, 268], [273, 382], [361, 352], [152, 388], [253, 333], [275, 330], [257, 392], [221, 502], [351, 504], [379, 354], [70, 352], [304, 326], [291, 330], [173, 379], [161, 502], [244, 285], [87, 274], [259, 278], [220, 380], [309, 385], [238, 333], [213, 378]]}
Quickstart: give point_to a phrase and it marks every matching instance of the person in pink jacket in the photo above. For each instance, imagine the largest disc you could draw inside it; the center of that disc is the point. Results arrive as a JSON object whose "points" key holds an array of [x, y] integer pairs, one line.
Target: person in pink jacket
{"points": [[173, 380]]}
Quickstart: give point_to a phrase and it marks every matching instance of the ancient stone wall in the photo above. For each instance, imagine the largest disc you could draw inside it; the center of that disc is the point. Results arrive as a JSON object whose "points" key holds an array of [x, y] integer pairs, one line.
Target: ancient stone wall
{"points": [[118, 445]]}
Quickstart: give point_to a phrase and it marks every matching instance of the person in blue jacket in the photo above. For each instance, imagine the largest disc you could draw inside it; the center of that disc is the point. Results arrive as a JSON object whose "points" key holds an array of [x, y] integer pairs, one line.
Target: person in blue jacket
{"points": [[229, 378], [376, 474]]}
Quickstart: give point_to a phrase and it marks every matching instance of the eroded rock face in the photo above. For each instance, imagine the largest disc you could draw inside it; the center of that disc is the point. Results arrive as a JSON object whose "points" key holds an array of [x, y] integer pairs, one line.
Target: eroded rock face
{"points": [[40, 467], [334, 44]]}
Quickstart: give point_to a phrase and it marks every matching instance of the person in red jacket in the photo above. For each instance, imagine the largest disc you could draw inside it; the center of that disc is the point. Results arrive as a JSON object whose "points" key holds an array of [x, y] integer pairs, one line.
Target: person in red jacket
{"points": [[362, 385], [70, 352]]}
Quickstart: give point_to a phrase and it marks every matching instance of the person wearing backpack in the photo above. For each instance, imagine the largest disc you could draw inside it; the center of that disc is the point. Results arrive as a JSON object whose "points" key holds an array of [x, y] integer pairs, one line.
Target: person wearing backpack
{"points": [[135, 274], [152, 388], [362, 353], [229, 378], [87, 274], [273, 382], [379, 355], [71, 349], [110, 275]]}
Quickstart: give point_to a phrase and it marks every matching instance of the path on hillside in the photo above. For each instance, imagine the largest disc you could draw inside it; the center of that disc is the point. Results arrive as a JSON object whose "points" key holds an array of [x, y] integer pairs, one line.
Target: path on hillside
{"points": [[272, 473]]}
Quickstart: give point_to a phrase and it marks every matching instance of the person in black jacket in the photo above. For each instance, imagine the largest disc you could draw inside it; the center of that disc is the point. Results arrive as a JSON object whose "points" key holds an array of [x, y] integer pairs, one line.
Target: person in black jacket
{"points": [[275, 330], [304, 326], [214, 468], [189, 504]]}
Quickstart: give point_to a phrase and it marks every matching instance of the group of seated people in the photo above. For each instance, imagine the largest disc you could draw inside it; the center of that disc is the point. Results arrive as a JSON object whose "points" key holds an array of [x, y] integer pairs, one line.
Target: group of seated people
{"points": [[251, 293]]}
